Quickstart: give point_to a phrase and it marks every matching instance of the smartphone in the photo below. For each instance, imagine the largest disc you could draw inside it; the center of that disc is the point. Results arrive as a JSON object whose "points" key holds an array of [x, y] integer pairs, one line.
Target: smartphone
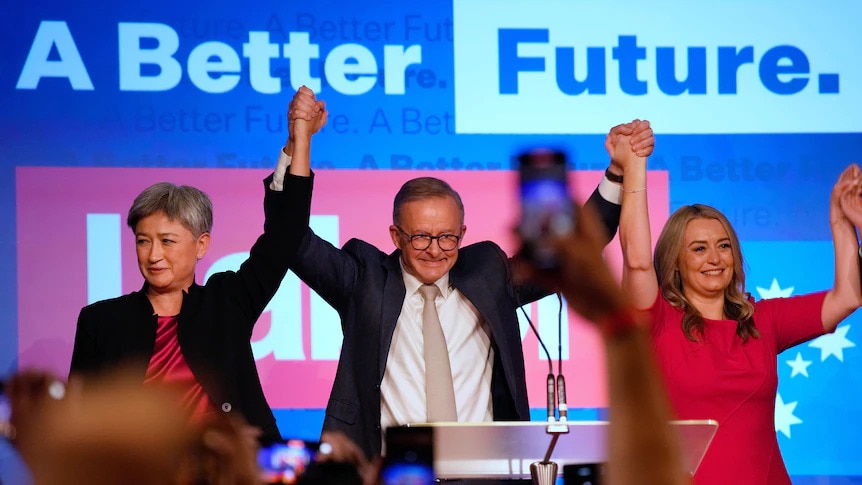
{"points": [[284, 462], [409, 458], [583, 474], [6, 429], [547, 209]]}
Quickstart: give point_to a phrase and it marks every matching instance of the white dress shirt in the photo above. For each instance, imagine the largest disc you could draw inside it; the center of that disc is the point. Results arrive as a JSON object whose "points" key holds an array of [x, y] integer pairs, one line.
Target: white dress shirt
{"points": [[471, 357]]}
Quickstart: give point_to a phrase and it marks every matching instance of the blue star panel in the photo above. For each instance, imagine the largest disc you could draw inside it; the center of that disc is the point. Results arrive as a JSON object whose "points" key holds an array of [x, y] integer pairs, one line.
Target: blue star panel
{"points": [[826, 399]]}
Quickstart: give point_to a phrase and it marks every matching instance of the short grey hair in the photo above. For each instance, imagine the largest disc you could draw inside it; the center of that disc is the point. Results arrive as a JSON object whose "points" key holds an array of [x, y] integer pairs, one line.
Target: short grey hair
{"points": [[422, 188], [187, 205]]}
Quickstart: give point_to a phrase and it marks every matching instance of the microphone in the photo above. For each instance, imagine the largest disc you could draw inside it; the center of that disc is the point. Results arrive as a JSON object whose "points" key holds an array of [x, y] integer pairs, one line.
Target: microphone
{"points": [[554, 428], [561, 399], [561, 381], [551, 384]]}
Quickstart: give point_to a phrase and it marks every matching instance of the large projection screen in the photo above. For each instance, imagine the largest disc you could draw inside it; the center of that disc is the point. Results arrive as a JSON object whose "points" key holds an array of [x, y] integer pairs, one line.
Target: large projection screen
{"points": [[755, 105]]}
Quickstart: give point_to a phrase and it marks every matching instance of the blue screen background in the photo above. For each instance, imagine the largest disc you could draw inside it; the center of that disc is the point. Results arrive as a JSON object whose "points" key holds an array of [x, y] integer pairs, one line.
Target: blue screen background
{"points": [[774, 187]]}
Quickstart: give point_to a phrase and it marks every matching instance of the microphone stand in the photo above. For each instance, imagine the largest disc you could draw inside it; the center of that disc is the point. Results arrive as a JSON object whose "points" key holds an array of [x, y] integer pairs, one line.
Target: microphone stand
{"points": [[545, 472]]}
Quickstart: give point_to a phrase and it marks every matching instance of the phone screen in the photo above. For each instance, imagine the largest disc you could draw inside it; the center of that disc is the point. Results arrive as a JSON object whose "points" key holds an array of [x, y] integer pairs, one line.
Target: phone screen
{"points": [[285, 462], [583, 474], [5, 412], [546, 205], [409, 456]]}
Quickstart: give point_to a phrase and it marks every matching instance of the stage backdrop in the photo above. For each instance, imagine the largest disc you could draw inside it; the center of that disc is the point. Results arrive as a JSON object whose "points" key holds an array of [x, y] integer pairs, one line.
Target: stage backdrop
{"points": [[755, 106]]}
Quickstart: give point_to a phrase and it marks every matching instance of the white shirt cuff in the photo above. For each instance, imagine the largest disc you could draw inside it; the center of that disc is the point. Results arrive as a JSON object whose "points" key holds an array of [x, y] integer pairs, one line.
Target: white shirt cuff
{"points": [[610, 191], [284, 160]]}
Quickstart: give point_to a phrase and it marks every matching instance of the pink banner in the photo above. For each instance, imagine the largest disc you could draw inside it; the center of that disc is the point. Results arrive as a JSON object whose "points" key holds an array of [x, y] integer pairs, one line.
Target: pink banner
{"points": [[74, 247]]}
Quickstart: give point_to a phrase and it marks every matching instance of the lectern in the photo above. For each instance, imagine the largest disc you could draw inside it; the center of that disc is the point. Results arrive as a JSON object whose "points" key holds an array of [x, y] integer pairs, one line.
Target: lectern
{"points": [[505, 449]]}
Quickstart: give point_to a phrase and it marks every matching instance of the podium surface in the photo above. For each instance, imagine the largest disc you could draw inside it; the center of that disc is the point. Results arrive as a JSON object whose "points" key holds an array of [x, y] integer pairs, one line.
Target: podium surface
{"points": [[505, 449]]}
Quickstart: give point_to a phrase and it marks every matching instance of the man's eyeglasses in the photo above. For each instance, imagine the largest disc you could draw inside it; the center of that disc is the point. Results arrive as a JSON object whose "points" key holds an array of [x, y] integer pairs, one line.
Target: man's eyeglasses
{"points": [[421, 242]]}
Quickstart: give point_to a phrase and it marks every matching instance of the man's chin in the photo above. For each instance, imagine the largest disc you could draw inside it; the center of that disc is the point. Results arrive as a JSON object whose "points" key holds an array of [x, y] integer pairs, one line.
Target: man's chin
{"points": [[429, 277]]}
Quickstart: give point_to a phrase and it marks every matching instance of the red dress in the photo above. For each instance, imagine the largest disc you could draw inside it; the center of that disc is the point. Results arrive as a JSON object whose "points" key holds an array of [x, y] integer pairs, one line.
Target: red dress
{"points": [[734, 383]]}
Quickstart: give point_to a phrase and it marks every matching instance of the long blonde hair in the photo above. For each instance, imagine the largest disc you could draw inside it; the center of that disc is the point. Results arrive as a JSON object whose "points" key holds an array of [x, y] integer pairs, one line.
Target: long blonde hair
{"points": [[666, 259]]}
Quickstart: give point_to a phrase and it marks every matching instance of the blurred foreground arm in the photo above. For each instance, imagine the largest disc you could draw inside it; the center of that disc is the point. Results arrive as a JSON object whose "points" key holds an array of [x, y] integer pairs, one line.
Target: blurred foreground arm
{"points": [[114, 431], [643, 448]]}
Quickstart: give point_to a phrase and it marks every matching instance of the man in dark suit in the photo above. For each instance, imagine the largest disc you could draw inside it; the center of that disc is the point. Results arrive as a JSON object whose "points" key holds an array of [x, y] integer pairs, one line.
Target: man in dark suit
{"points": [[380, 379]]}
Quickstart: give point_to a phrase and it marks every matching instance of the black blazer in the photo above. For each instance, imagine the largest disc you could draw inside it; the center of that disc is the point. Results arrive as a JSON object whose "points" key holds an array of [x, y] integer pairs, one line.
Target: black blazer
{"points": [[365, 286], [215, 322]]}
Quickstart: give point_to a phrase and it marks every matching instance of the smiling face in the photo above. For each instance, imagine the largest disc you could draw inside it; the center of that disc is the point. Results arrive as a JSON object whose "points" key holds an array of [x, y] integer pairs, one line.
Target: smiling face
{"points": [[706, 261], [431, 216], [167, 252]]}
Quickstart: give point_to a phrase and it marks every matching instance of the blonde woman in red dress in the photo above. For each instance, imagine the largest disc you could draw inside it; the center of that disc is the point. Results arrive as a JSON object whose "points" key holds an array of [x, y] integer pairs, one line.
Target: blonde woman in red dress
{"points": [[716, 347]]}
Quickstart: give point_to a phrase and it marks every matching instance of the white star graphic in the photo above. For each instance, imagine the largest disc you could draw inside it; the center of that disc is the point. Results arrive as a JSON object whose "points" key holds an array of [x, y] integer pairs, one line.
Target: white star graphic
{"points": [[799, 365], [784, 417], [833, 344], [775, 291]]}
